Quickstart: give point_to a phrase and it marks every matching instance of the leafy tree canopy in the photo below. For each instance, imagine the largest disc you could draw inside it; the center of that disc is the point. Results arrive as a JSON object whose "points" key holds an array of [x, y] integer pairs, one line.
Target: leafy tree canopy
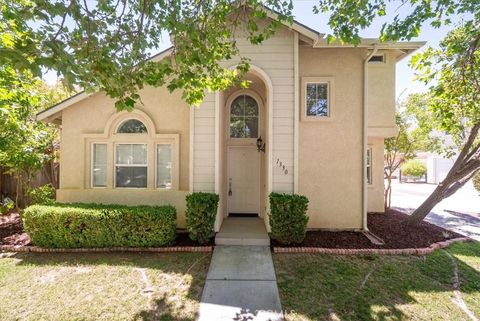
{"points": [[103, 45]]}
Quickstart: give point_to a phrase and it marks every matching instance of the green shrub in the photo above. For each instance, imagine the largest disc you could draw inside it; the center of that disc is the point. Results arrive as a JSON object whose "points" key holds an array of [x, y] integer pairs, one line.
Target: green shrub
{"points": [[476, 181], [414, 168], [94, 225], [200, 216], [288, 218], [42, 195]]}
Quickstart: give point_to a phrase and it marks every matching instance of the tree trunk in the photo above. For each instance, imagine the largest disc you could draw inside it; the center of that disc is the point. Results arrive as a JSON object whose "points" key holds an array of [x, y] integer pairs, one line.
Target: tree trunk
{"points": [[444, 190], [388, 192], [423, 210]]}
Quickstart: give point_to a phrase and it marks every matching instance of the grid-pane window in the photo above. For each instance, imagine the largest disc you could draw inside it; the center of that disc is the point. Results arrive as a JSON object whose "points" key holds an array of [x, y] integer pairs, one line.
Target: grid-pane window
{"points": [[369, 166], [164, 166], [99, 165], [244, 117], [131, 165], [317, 100]]}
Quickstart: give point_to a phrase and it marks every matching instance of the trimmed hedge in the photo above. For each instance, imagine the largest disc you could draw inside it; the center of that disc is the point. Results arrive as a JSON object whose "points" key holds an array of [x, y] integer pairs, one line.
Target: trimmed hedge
{"points": [[200, 215], [288, 218], [94, 225]]}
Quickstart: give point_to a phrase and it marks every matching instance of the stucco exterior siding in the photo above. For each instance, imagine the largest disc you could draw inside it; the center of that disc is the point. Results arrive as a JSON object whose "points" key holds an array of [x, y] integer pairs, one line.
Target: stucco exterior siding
{"points": [[375, 191], [90, 118], [381, 97], [330, 152]]}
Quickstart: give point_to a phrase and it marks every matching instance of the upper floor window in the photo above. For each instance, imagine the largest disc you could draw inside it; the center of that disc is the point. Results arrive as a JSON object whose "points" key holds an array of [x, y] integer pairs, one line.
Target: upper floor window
{"points": [[132, 126], [244, 117], [317, 100]]}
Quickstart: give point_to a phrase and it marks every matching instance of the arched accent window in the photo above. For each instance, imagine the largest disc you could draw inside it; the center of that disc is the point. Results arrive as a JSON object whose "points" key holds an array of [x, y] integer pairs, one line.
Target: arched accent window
{"points": [[244, 117], [132, 126]]}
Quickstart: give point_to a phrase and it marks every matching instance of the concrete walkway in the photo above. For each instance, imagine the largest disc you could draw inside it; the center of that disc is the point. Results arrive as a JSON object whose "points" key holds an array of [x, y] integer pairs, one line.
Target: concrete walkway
{"points": [[241, 285]]}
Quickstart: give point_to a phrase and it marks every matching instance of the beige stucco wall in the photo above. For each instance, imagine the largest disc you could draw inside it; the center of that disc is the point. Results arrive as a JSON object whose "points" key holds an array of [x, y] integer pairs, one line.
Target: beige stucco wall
{"points": [[375, 190], [330, 152], [381, 96], [169, 114]]}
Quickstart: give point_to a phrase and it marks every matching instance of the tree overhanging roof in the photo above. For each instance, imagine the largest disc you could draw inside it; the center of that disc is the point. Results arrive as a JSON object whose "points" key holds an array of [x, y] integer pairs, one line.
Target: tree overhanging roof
{"points": [[317, 40]]}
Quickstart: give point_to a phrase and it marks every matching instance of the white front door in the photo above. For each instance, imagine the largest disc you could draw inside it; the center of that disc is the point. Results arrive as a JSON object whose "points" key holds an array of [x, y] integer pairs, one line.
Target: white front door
{"points": [[243, 158], [243, 180]]}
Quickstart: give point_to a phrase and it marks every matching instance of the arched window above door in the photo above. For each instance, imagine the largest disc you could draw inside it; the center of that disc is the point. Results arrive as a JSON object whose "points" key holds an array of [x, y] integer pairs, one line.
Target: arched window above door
{"points": [[244, 117], [132, 126]]}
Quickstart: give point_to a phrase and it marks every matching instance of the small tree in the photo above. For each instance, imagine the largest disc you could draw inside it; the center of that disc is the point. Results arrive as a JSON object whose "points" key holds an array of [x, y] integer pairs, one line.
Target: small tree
{"points": [[25, 144], [397, 150]]}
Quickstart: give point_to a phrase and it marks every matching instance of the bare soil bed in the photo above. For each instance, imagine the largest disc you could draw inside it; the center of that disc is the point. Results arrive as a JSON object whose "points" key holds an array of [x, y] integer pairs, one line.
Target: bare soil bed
{"points": [[390, 226]]}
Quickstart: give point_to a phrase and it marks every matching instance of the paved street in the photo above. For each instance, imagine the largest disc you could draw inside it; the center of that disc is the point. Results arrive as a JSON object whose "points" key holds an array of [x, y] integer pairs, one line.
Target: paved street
{"points": [[460, 212]]}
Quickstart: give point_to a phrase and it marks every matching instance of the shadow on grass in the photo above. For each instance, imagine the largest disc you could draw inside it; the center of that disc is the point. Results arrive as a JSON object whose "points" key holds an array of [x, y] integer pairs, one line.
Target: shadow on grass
{"points": [[320, 287], [181, 291]]}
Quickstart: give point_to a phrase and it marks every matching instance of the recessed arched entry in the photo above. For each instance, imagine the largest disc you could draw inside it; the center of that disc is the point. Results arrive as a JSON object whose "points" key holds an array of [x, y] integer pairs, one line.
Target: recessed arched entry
{"points": [[244, 122]]}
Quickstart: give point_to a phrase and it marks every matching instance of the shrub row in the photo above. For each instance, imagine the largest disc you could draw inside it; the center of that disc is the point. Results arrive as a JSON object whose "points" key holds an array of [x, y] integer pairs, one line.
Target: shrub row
{"points": [[93, 225]]}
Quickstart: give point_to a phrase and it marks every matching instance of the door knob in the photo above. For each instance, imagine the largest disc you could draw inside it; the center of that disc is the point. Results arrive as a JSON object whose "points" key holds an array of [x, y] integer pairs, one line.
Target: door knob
{"points": [[230, 188]]}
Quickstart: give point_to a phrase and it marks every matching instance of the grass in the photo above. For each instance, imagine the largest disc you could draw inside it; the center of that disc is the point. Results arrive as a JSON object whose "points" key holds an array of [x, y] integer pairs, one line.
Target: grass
{"points": [[323, 287], [99, 286]]}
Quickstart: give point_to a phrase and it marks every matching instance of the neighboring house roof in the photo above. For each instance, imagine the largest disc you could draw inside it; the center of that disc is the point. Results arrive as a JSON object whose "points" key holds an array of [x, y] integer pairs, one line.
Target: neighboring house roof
{"points": [[308, 35]]}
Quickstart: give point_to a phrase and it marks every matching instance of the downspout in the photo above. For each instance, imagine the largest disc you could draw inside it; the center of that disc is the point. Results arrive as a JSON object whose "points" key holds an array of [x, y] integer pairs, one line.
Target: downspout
{"points": [[365, 138]]}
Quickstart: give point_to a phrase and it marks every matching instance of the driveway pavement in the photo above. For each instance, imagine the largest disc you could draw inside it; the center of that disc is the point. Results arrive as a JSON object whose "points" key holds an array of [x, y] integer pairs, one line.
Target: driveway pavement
{"points": [[460, 212]]}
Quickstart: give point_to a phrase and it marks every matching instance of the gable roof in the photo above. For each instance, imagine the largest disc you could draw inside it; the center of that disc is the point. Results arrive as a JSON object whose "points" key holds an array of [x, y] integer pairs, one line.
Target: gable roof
{"points": [[315, 38]]}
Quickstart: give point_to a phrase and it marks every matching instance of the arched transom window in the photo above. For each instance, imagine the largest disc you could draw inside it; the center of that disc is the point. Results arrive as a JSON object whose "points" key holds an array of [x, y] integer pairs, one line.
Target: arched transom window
{"points": [[244, 117], [132, 126]]}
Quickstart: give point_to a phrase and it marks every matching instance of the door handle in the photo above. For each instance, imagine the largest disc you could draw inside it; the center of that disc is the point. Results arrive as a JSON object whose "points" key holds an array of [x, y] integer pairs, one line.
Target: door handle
{"points": [[230, 188]]}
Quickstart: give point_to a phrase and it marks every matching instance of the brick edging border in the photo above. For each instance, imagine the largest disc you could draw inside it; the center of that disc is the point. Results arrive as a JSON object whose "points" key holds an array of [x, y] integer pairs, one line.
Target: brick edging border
{"points": [[37, 249], [411, 251]]}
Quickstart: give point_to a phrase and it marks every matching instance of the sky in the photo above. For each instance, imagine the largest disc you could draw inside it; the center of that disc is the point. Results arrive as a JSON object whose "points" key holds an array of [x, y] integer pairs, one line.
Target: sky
{"points": [[405, 83]]}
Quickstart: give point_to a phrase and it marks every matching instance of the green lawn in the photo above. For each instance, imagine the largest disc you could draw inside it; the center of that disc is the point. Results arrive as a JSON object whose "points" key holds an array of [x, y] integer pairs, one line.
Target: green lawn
{"points": [[324, 287], [101, 286]]}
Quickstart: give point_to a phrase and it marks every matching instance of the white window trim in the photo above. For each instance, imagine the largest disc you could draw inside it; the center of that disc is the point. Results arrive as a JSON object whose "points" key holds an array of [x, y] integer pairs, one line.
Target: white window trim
{"points": [[330, 98], [92, 144], [115, 165], [174, 171]]}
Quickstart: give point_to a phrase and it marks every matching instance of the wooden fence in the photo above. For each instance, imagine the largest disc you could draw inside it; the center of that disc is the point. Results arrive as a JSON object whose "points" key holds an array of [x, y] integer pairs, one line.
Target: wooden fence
{"points": [[47, 175]]}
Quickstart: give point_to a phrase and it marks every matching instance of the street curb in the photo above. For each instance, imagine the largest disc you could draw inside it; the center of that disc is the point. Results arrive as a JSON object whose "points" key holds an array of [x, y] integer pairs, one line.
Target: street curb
{"points": [[411, 251]]}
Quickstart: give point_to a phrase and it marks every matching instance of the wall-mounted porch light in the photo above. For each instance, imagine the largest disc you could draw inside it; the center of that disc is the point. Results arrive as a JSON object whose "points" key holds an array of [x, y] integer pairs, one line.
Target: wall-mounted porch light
{"points": [[260, 144]]}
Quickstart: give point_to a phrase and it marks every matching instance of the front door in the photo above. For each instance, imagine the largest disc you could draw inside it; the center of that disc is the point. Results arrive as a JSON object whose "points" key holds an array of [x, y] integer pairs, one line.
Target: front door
{"points": [[243, 158], [243, 180]]}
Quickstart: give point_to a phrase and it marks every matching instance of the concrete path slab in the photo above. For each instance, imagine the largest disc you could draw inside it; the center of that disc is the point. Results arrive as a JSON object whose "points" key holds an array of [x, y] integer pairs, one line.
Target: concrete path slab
{"points": [[240, 300], [242, 231], [241, 285], [241, 263]]}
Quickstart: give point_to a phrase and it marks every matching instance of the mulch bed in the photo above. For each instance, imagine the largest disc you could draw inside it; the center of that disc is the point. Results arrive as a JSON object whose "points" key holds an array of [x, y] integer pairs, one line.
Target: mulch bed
{"points": [[11, 230], [12, 233], [390, 226]]}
